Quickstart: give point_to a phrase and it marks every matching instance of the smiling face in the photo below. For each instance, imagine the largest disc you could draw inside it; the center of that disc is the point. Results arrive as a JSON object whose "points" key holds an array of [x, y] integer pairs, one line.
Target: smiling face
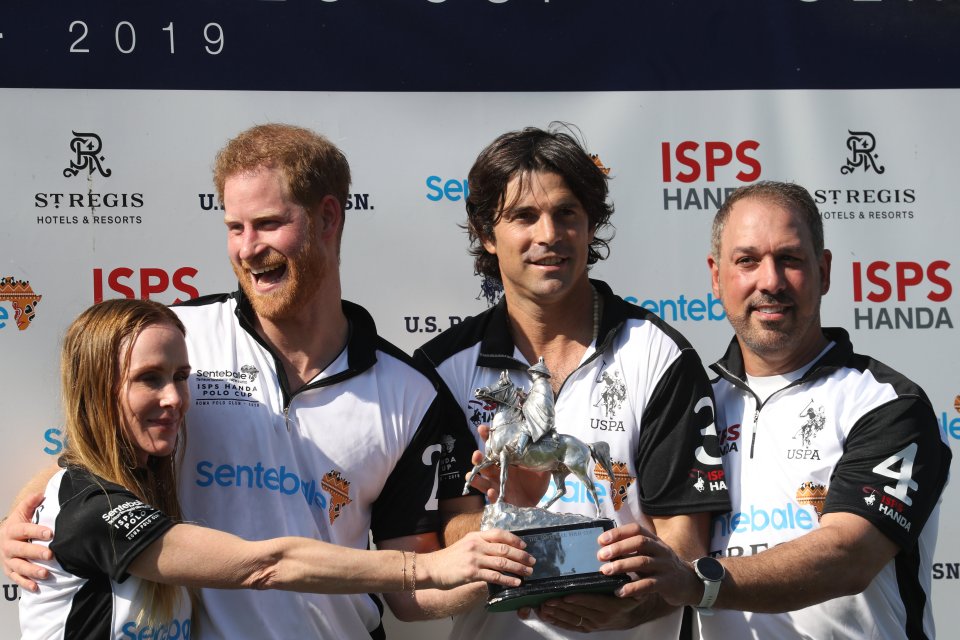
{"points": [[154, 395], [771, 281], [541, 239], [273, 244]]}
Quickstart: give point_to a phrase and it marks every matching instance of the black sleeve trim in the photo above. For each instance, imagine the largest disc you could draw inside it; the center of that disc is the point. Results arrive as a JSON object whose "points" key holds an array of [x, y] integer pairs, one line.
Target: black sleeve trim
{"points": [[669, 441], [881, 434]]}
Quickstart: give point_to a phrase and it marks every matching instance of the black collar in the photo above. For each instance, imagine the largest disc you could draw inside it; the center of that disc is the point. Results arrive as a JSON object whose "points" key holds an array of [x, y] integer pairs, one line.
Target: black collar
{"points": [[362, 341], [731, 364], [497, 346]]}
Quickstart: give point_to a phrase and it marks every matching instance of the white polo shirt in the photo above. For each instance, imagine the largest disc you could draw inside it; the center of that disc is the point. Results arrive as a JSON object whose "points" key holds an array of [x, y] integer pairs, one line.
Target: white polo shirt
{"points": [[849, 435], [642, 389], [365, 446]]}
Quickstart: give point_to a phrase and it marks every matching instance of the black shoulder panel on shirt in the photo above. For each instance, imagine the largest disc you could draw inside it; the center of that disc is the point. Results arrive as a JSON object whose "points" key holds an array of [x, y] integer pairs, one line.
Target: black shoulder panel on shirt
{"points": [[617, 310], [456, 339], [211, 298], [885, 374]]}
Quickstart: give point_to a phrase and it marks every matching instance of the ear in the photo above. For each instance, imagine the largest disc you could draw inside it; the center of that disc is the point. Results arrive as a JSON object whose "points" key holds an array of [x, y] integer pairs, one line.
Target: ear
{"points": [[714, 267], [328, 217], [489, 244], [825, 261]]}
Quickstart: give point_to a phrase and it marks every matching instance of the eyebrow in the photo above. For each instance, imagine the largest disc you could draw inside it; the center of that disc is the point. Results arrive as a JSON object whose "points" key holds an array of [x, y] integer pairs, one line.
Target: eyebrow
{"points": [[792, 248], [260, 215], [566, 203]]}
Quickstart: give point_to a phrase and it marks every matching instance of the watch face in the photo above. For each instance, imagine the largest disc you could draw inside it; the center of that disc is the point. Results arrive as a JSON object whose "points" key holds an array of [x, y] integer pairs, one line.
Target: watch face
{"points": [[709, 569]]}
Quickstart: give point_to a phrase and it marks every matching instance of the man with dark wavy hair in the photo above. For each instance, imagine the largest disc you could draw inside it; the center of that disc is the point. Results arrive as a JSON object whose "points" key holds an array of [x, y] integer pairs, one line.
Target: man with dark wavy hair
{"points": [[537, 212], [517, 155]]}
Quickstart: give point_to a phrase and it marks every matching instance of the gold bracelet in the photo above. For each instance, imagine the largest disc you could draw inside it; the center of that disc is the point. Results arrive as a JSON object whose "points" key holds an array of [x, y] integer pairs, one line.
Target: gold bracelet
{"points": [[403, 575], [413, 575]]}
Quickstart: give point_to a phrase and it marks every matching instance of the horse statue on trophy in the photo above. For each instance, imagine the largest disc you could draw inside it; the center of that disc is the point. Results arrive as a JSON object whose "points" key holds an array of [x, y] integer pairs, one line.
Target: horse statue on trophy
{"points": [[510, 442]]}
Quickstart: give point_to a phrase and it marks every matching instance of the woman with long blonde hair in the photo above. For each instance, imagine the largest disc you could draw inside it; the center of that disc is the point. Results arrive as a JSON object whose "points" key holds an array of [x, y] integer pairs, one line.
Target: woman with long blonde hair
{"points": [[119, 544]]}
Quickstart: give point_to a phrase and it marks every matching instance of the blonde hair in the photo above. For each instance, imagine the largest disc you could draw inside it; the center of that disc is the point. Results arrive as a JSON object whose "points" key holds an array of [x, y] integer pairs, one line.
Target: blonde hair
{"points": [[94, 361]]}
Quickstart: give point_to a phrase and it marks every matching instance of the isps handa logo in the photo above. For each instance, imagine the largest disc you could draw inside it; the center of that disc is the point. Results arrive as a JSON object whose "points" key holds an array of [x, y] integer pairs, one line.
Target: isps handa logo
{"points": [[712, 480], [88, 206], [706, 171], [22, 299], [481, 412], [146, 283], [901, 294]]}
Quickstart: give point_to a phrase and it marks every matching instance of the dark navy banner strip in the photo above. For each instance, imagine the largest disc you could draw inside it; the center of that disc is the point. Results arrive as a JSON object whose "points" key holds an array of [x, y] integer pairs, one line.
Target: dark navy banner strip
{"points": [[480, 45]]}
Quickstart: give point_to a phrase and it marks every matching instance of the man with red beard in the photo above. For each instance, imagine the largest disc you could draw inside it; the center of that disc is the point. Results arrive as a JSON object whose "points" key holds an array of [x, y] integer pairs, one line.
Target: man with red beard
{"points": [[304, 421], [835, 462]]}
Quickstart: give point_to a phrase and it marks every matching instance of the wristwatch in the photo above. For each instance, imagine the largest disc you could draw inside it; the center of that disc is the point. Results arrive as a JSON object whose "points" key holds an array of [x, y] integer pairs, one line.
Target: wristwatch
{"points": [[711, 572]]}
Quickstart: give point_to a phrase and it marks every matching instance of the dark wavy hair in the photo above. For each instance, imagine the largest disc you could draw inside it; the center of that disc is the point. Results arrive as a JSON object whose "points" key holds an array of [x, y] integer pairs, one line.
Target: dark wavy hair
{"points": [[517, 154]]}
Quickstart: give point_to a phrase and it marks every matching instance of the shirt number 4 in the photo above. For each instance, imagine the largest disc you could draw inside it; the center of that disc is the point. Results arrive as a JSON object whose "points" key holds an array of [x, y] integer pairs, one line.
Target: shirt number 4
{"points": [[899, 466]]}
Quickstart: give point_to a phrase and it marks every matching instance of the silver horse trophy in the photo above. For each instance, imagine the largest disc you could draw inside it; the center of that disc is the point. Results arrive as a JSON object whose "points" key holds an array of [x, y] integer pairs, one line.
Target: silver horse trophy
{"points": [[523, 434]]}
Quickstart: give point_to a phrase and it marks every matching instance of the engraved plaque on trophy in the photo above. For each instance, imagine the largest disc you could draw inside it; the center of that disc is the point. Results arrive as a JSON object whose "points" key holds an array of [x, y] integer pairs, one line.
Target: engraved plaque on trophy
{"points": [[522, 434]]}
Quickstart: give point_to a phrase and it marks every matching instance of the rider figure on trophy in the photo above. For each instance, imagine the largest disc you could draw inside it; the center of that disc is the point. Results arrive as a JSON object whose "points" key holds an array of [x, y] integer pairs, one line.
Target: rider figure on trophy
{"points": [[538, 411]]}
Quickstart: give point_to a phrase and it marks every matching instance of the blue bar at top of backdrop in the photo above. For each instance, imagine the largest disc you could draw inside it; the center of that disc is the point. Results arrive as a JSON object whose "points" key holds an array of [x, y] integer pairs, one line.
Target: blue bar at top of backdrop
{"points": [[480, 45]]}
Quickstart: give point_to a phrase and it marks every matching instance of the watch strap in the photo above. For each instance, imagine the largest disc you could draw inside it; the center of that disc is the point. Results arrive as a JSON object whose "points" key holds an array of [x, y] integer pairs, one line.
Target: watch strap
{"points": [[710, 592], [712, 577]]}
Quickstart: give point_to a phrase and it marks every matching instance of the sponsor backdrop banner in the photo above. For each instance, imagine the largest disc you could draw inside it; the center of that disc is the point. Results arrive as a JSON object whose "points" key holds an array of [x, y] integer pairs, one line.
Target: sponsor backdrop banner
{"points": [[111, 115]]}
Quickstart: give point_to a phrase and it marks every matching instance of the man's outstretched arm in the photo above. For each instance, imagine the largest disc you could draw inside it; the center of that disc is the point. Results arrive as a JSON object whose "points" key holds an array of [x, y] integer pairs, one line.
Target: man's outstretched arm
{"points": [[18, 529], [840, 558]]}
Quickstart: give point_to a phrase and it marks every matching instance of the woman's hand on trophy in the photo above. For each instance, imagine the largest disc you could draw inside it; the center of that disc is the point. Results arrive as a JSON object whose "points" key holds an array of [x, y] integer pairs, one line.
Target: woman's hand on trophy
{"points": [[494, 556]]}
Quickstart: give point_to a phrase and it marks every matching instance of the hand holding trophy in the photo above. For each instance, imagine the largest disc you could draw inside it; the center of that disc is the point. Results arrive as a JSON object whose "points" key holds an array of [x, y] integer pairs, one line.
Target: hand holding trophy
{"points": [[523, 434]]}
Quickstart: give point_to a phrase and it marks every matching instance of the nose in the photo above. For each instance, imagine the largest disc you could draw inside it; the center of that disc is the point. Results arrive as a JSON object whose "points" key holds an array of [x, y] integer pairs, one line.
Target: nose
{"points": [[175, 395], [249, 244], [770, 276], [547, 231]]}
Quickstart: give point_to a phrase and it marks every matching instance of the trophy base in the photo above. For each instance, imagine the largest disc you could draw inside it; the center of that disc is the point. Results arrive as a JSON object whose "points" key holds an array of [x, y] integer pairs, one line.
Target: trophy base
{"points": [[566, 563], [531, 595]]}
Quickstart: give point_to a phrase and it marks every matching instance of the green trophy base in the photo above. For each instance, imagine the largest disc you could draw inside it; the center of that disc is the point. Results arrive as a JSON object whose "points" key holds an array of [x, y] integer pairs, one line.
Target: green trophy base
{"points": [[566, 563]]}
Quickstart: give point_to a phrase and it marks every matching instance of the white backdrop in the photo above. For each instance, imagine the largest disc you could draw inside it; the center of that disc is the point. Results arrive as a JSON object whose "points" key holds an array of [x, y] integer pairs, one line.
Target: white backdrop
{"points": [[404, 256]]}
